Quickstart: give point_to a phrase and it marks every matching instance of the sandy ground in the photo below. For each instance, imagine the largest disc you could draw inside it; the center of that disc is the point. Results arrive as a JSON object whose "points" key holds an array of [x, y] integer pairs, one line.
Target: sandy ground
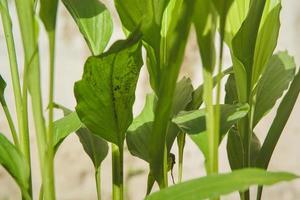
{"points": [[74, 171]]}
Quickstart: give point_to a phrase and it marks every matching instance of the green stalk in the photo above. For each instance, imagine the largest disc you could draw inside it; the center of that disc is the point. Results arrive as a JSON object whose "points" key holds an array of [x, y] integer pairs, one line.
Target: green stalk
{"points": [[51, 36], [32, 70], [11, 124], [21, 108], [117, 171], [181, 144], [213, 139], [98, 182]]}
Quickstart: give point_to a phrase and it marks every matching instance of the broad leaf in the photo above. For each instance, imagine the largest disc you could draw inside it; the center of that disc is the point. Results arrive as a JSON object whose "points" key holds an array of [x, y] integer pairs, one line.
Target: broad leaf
{"points": [[243, 48], [94, 22], [214, 186], [48, 12], [236, 16], [235, 149], [175, 46], [140, 130], [266, 42], [106, 93], [197, 95], [15, 164], [64, 127], [275, 80], [231, 96], [147, 14], [222, 7], [204, 21], [94, 146], [283, 112], [194, 124]]}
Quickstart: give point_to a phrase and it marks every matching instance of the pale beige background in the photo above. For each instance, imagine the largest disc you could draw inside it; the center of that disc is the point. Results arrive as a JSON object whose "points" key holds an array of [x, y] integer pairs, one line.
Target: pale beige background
{"points": [[74, 171]]}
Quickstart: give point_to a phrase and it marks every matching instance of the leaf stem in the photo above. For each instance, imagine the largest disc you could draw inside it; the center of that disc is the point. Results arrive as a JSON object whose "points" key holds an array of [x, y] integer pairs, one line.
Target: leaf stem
{"points": [[181, 144], [117, 171], [26, 13], [11, 124], [213, 138], [98, 182], [21, 107]]}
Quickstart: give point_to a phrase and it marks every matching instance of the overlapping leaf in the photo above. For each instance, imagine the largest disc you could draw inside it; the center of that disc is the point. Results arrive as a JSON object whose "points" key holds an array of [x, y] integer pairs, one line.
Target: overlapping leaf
{"points": [[243, 48], [95, 147], [193, 123], [214, 186], [15, 164], [48, 12], [94, 22], [140, 130], [275, 80], [106, 93]]}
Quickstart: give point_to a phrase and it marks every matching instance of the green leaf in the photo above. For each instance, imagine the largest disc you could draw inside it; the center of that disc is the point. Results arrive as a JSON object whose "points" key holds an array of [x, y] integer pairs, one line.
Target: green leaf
{"points": [[94, 22], [197, 95], [64, 127], [243, 48], [94, 146], [2, 89], [214, 186], [193, 123], [235, 149], [139, 132], [266, 42], [146, 14], [283, 112], [176, 40], [255, 148], [205, 24], [183, 95], [222, 7], [275, 80], [236, 16], [48, 12], [106, 93], [15, 164], [231, 96]]}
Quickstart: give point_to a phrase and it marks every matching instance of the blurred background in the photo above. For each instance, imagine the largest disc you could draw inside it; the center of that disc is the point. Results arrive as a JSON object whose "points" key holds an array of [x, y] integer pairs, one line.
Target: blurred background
{"points": [[73, 169]]}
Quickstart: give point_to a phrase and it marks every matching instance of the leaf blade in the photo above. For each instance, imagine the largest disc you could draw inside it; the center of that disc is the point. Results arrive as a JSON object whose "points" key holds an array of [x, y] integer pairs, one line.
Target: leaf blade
{"points": [[94, 22], [216, 185]]}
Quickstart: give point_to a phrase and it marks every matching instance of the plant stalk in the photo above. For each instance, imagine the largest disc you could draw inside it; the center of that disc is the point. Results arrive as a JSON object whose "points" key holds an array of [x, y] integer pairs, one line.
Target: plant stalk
{"points": [[21, 107], [181, 143], [213, 137], [98, 182], [11, 124], [117, 171], [25, 11]]}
